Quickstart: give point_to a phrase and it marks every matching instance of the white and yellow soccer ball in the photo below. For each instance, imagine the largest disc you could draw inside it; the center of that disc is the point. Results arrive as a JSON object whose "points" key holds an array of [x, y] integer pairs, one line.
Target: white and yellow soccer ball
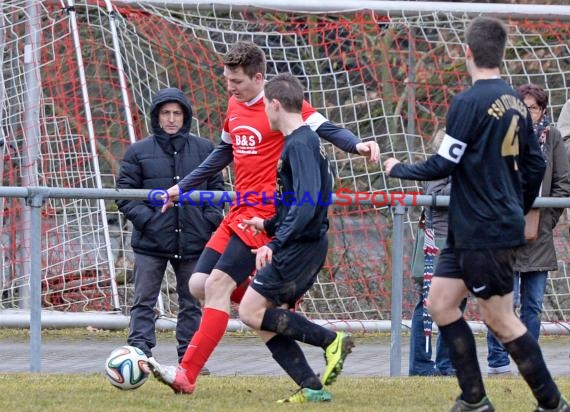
{"points": [[127, 367]]}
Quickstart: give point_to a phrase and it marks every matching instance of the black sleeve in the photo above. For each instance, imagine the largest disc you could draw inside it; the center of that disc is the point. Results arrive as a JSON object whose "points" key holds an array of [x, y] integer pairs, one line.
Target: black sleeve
{"points": [[306, 182], [436, 167], [532, 166], [138, 212], [220, 157], [213, 212], [442, 165], [270, 225], [342, 138]]}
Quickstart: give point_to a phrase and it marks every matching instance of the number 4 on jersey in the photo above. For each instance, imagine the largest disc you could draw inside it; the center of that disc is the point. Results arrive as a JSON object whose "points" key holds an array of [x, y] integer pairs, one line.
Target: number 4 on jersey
{"points": [[510, 146]]}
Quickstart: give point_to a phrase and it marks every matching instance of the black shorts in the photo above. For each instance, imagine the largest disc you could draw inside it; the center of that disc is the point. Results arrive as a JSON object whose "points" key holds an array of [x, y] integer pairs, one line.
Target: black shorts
{"points": [[486, 273], [292, 272], [237, 260]]}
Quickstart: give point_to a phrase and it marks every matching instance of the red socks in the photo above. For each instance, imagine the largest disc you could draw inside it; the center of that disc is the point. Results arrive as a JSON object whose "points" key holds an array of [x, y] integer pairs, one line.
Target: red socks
{"points": [[209, 334], [238, 292]]}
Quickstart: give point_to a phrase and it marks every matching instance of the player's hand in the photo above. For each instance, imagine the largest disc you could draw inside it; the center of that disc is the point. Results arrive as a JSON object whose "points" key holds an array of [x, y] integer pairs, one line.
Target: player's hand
{"points": [[369, 149], [263, 256], [170, 197], [389, 164], [255, 224]]}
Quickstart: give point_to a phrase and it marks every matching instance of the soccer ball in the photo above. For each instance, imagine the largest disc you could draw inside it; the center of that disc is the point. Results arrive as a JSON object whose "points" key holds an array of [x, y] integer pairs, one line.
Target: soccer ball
{"points": [[127, 368]]}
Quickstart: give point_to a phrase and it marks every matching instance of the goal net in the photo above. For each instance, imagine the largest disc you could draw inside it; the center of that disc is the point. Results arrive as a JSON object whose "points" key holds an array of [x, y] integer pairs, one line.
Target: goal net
{"points": [[388, 76]]}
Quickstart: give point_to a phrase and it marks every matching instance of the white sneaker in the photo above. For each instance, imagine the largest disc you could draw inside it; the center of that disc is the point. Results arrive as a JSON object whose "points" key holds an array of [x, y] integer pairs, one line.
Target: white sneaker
{"points": [[506, 369]]}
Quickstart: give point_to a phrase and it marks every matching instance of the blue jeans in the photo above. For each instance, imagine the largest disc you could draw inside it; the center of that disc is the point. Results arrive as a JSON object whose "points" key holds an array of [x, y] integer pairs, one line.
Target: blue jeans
{"points": [[528, 289], [421, 363]]}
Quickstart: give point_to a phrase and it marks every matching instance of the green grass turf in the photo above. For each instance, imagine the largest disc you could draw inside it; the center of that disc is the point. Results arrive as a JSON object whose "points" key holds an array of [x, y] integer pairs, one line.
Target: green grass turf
{"points": [[92, 392]]}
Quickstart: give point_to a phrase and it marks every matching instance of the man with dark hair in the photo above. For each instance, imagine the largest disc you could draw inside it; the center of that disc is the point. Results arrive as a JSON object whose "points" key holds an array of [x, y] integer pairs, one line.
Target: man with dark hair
{"points": [[178, 236], [227, 261], [496, 168], [288, 265]]}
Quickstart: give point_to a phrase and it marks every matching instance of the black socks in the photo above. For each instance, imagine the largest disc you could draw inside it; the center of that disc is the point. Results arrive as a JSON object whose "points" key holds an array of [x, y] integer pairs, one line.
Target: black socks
{"points": [[527, 355], [463, 354], [287, 323], [288, 354]]}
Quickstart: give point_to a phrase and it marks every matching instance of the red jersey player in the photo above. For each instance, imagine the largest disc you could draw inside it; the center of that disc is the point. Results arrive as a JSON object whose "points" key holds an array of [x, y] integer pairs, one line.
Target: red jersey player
{"points": [[227, 260]]}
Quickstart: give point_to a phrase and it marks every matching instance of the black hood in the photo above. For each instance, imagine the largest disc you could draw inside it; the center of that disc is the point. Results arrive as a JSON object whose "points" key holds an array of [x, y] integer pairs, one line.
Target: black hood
{"points": [[171, 94]]}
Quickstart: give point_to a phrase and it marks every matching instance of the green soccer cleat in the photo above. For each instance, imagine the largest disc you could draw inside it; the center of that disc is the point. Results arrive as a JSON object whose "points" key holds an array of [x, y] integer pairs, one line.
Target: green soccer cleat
{"points": [[484, 405], [335, 354], [305, 395], [562, 407]]}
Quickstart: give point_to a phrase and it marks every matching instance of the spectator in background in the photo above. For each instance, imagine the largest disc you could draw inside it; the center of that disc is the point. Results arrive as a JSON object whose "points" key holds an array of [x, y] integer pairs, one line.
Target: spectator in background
{"points": [[177, 236], [563, 124], [535, 259], [421, 363]]}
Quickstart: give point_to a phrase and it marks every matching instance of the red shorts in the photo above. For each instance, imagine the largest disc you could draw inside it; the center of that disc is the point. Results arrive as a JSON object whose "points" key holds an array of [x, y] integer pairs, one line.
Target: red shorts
{"points": [[233, 225]]}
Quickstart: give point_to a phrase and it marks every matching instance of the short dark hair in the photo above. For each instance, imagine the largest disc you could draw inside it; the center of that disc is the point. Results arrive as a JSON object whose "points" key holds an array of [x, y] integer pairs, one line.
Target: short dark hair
{"points": [[487, 37], [246, 55], [535, 91], [287, 90]]}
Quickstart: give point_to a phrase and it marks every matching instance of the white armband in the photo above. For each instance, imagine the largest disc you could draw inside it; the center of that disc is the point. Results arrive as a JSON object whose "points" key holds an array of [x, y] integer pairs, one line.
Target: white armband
{"points": [[452, 149]]}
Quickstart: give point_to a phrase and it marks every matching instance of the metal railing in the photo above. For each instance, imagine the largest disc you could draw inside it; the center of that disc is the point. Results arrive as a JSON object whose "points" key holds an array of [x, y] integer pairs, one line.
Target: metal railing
{"points": [[35, 197]]}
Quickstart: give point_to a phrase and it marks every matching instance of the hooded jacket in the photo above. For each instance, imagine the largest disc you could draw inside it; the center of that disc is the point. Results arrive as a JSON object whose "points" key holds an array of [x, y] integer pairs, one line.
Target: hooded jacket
{"points": [[159, 161]]}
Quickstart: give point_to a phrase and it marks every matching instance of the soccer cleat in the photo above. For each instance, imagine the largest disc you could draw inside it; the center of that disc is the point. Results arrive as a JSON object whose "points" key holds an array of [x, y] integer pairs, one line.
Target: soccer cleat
{"points": [[562, 407], [484, 405], [335, 355], [173, 376], [305, 395]]}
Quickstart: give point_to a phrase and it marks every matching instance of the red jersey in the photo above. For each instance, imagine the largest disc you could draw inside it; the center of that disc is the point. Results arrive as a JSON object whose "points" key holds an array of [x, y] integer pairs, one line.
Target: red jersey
{"points": [[256, 150]]}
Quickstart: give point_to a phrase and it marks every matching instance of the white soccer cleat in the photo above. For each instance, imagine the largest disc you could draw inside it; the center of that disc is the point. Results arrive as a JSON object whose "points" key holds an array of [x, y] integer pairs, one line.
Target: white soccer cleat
{"points": [[173, 376]]}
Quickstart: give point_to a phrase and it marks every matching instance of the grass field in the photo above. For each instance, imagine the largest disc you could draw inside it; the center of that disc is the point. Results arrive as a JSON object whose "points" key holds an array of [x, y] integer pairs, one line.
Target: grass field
{"points": [[91, 392], [55, 392]]}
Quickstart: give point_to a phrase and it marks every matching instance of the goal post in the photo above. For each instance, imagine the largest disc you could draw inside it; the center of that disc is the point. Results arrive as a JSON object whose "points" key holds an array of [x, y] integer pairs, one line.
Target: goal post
{"points": [[386, 70]]}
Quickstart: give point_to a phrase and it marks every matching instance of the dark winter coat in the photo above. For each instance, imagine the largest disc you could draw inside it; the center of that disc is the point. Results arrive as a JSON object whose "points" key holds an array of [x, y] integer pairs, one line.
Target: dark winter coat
{"points": [[540, 255], [159, 161]]}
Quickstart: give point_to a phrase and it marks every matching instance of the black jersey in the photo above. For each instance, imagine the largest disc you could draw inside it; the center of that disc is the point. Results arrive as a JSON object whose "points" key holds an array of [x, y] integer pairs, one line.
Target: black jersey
{"points": [[304, 186], [495, 162]]}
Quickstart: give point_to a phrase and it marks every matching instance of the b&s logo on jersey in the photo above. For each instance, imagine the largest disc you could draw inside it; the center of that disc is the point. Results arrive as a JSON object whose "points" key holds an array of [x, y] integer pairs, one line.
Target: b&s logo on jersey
{"points": [[246, 139]]}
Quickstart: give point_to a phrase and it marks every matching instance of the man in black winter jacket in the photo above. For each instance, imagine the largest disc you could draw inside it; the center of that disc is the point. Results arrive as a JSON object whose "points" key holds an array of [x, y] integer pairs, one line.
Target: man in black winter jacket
{"points": [[177, 236]]}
